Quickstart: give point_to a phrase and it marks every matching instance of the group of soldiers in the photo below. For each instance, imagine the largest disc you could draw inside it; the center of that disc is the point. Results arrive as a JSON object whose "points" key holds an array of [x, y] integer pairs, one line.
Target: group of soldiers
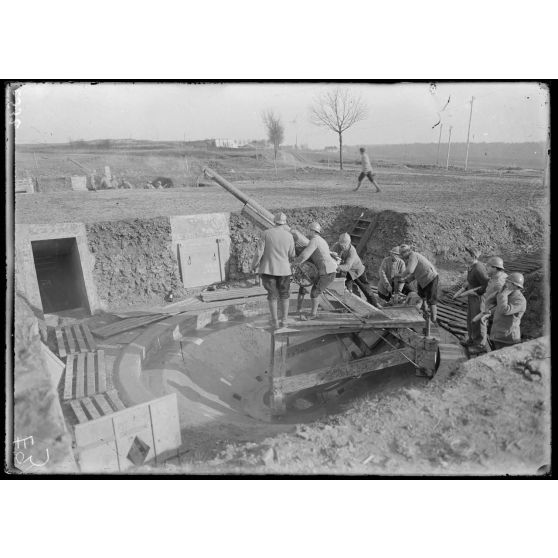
{"points": [[495, 300]]}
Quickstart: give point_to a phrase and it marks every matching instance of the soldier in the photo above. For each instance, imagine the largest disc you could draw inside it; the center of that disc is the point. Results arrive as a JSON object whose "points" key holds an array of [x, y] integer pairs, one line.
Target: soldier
{"points": [[510, 307], [366, 170], [350, 263], [426, 275], [474, 287], [392, 269], [318, 251], [272, 261]]}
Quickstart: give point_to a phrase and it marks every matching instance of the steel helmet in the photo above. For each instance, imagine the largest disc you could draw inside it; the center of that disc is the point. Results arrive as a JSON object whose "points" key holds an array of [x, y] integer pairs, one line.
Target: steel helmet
{"points": [[404, 248], [315, 226], [516, 279], [395, 251], [280, 219], [496, 261], [345, 239]]}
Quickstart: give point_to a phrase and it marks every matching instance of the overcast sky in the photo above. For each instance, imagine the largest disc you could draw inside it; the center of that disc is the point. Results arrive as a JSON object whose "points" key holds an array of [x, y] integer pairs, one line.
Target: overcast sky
{"points": [[398, 113]]}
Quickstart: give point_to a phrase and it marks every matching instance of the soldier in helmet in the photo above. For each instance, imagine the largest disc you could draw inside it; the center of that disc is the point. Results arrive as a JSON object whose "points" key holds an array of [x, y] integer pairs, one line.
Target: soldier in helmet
{"points": [[391, 270], [474, 288], [272, 261], [496, 279], [510, 307], [350, 263], [318, 251]]}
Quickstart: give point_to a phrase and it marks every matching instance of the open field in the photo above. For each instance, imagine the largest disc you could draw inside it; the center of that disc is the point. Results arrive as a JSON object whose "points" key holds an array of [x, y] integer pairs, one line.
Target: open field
{"points": [[409, 192]]}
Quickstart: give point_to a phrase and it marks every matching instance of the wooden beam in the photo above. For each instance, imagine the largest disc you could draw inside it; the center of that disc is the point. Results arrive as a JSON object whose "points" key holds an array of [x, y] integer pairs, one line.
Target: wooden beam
{"points": [[308, 345], [82, 347], [277, 370], [80, 376], [69, 377], [70, 338], [90, 358], [89, 338], [60, 341], [102, 375], [344, 370]]}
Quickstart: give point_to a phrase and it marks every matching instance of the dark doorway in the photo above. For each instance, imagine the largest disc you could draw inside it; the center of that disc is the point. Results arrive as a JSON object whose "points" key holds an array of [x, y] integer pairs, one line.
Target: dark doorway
{"points": [[59, 274]]}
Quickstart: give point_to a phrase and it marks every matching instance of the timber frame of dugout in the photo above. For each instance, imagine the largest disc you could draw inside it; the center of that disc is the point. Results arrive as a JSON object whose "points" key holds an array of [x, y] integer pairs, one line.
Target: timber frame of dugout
{"points": [[408, 340]]}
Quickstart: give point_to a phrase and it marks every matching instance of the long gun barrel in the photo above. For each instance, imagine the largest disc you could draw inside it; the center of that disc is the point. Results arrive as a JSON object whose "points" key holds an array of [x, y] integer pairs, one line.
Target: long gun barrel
{"points": [[252, 209]]}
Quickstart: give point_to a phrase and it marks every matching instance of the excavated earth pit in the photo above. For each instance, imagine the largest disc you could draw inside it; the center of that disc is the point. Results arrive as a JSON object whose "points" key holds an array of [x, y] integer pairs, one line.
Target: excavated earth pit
{"points": [[219, 372]]}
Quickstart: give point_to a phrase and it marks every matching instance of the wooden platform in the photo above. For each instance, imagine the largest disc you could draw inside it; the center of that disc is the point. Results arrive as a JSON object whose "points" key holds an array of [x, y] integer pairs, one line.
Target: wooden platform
{"points": [[74, 339], [85, 374]]}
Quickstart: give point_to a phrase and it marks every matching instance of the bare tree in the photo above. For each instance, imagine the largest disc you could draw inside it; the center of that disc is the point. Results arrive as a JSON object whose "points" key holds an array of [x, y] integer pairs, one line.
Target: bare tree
{"points": [[338, 110], [275, 129]]}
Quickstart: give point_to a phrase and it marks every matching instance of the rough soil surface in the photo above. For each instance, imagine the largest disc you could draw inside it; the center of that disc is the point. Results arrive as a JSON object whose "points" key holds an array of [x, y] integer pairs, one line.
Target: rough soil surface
{"points": [[402, 191], [37, 410], [133, 261], [488, 418]]}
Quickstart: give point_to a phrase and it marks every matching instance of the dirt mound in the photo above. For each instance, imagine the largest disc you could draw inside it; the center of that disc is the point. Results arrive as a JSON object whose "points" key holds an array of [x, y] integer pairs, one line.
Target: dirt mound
{"points": [[37, 411], [244, 235], [489, 418], [133, 261]]}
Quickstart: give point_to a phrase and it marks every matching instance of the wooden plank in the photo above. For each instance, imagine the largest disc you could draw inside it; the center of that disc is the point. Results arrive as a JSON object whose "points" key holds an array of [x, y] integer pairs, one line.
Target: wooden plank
{"points": [[305, 346], [69, 377], [329, 374], [80, 376], [102, 375], [103, 404], [70, 339], [80, 342], [60, 341], [90, 359], [361, 344], [239, 293], [78, 411], [90, 408], [126, 325], [115, 400], [357, 305], [277, 370], [89, 338]]}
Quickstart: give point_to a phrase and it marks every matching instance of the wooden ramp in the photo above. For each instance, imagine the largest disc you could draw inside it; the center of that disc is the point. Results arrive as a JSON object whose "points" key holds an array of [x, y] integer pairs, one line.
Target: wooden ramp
{"points": [[241, 292], [74, 339]]}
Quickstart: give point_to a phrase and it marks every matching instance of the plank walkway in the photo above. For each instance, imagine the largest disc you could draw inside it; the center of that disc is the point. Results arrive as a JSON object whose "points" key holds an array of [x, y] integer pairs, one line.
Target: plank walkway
{"points": [[74, 339], [97, 406], [85, 375]]}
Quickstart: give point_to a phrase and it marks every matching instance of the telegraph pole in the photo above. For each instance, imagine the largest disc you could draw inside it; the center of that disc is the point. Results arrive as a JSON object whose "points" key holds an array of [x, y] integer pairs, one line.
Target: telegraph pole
{"points": [[439, 140], [546, 175], [449, 145], [468, 132]]}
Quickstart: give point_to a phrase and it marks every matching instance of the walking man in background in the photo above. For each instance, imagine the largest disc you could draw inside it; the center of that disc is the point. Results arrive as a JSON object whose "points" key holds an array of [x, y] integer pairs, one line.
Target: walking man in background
{"points": [[366, 170], [318, 251], [272, 260], [474, 288], [426, 275], [391, 270], [350, 263]]}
